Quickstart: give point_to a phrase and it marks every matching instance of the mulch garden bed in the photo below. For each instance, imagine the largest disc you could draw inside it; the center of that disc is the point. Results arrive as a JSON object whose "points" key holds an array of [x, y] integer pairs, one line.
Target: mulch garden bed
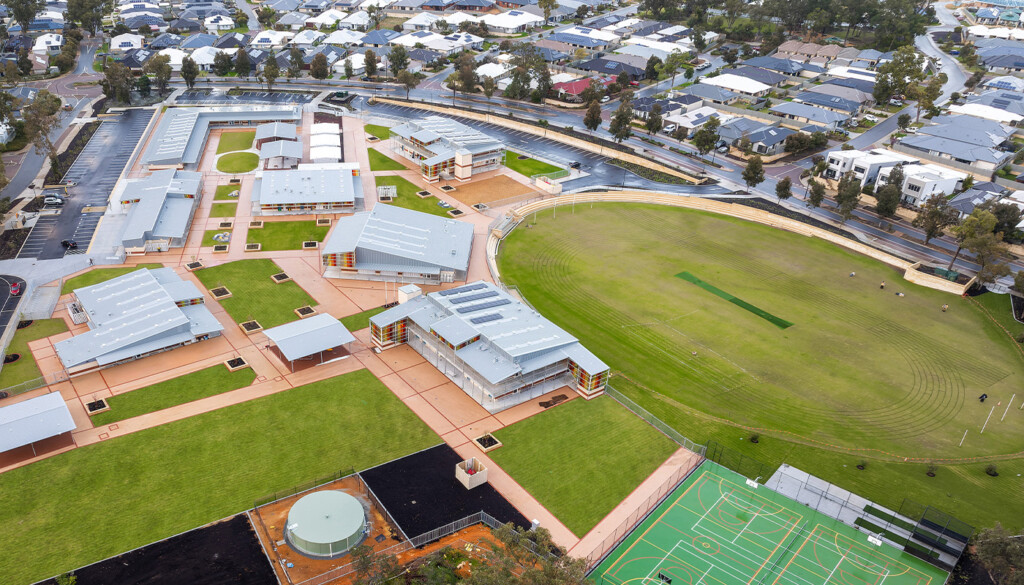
{"points": [[11, 241], [421, 492], [67, 158], [193, 266], [223, 553]]}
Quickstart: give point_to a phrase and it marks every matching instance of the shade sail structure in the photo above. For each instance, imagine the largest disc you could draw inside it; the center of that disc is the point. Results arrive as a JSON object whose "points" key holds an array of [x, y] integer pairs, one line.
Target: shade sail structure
{"points": [[33, 420], [306, 337]]}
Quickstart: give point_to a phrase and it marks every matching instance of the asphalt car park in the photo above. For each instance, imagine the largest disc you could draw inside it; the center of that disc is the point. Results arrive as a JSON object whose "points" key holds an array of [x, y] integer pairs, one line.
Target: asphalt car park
{"points": [[93, 174]]}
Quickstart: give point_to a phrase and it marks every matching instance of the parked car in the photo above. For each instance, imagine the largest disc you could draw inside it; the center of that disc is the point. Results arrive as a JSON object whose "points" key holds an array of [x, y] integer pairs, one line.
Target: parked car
{"points": [[69, 244], [895, 102], [575, 165], [871, 118], [15, 289], [606, 99], [1020, 178], [911, 130], [53, 200], [67, 107], [723, 149], [669, 129], [634, 83], [703, 65]]}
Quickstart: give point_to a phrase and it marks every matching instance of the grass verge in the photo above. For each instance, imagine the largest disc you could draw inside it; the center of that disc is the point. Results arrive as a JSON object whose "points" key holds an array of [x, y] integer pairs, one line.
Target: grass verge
{"points": [[528, 166], [224, 191], [360, 320], [25, 369], [408, 198], [253, 294], [232, 141], [382, 132], [287, 235], [382, 162], [208, 238], [226, 209]]}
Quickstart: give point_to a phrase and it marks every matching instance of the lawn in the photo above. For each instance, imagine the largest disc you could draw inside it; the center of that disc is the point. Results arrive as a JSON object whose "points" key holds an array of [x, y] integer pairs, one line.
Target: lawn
{"points": [[382, 132], [287, 235], [232, 141], [528, 166], [408, 198], [223, 209], [382, 162], [224, 192], [360, 320], [862, 373], [998, 306], [25, 369], [208, 237], [582, 458], [209, 382], [253, 294], [238, 162], [161, 481], [98, 275]]}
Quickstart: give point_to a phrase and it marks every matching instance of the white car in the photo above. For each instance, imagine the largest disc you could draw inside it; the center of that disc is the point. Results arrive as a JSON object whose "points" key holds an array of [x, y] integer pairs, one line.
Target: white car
{"points": [[703, 66], [871, 118], [669, 129], [606, 99]]}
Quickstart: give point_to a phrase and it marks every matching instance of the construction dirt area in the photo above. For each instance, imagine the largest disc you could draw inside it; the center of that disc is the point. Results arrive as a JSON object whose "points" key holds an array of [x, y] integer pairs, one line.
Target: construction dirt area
{"points": [[497, 188]]}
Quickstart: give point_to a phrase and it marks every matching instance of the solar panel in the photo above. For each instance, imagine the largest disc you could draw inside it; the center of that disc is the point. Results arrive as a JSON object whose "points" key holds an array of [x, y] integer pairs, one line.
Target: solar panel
{"points": [[482, 306], [474, 297], [485, 318], [462, 289]]}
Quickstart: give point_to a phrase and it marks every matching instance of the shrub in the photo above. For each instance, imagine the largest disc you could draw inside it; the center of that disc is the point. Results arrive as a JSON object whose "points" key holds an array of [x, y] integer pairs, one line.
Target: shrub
{"points": [[755, 438], [991, 469]]}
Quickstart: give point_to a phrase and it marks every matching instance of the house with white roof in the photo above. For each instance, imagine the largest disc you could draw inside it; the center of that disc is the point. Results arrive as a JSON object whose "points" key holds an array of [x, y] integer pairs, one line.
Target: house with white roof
{"points": [[921, 182], [295, 20], [457, 18], [511, 22], [176, 56], [126, 42], [307, 38], [738, 84], [203, 56], [327, 18], [356, 21], [694, 119], [864, 164], [271, 39], [48, 44], [344, 37], [496, 71], [422, 21], [218, 23]]}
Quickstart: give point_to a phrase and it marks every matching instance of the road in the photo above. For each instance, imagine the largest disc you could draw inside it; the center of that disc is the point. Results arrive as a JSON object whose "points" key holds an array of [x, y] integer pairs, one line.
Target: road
{"points": [[76, 96], [8, 302], [955, 72]]}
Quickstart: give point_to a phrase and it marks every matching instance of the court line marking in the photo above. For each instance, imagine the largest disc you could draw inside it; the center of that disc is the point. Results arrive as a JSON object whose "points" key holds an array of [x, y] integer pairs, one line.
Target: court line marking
{"points": [[661, 562]]}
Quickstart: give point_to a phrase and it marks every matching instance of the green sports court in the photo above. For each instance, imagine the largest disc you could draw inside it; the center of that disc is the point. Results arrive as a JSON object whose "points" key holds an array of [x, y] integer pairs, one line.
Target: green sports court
{"points": [[719, 529]]}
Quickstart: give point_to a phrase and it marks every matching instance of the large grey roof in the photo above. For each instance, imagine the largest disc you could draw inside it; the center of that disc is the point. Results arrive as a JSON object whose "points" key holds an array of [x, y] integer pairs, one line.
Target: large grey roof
{"points": [[815, 114], [969, 129], [301, 185], [406, 237], [956, 148], [134, 314], [283, 130], [33, 420], [162, 210], [181, 134], [454, 134], [306, 337], [514, 339], [288, 148]]}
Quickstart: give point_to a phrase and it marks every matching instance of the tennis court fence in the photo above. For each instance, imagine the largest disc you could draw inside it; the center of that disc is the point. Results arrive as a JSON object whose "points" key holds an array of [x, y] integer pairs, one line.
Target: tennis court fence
{"points": [[744, 465]]}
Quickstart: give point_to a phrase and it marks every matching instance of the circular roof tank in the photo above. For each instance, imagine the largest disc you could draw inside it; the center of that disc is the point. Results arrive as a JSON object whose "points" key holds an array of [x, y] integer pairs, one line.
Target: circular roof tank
{"points": [[325, 524]]}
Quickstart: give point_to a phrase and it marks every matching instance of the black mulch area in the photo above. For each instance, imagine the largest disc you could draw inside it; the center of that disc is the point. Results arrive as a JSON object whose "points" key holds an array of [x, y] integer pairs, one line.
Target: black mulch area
{"points": [[777, 209], [422, 494], [969, 572], [227, 552]]}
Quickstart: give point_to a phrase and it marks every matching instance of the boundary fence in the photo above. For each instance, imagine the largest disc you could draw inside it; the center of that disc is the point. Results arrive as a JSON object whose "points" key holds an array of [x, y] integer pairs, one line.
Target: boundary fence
{"points": [[654, 421], [302, 487]]}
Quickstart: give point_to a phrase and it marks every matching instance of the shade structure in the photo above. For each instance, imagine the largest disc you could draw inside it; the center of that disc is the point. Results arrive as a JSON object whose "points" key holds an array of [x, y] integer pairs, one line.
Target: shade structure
{"points": [[307, 337], [33, 420], [325, 524]]}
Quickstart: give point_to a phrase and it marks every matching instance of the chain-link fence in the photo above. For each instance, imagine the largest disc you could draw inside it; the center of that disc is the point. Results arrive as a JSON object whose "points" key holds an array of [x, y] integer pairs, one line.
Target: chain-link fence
{"points": [[744, 465], [654, 421], [303, 487]]}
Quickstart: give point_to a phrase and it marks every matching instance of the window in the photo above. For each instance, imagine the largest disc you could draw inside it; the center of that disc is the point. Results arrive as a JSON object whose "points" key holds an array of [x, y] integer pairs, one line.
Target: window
{"points": [[914, 188]]}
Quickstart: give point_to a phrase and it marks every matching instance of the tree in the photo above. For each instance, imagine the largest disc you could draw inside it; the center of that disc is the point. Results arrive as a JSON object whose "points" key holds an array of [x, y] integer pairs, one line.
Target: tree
{"points": [[160, 68], [654, 121], [927, 95], [349, 72], [511, 560], [243, 66], [370, 63], [271, 70], [817, 193], [1002, 554], [688, 73], [847, 196], [673, 63], [797, 142], [222, 64], [706, 137], [903, 121], [117, 83], [935, 216], [399, 58], [784, 188], [730, 56], [24, 12], [318, 68], [582, 11], [753, 174], [294, 62], [592, 119], [1007, 215], [142, 85], [266, 17], [592, 92], [906, 69], [373, 569], [41, 120], [975, 226], [410, 81], [651, 70], [888, 197], [189, 71], [620, 126], [87, 13], [547, 6], [24, 63]]}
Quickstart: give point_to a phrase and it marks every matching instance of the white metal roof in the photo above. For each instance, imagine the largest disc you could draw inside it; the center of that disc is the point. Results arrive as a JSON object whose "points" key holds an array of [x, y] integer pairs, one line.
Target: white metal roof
{"points": [[33, 420], [306, 337], [303, 185], [736, 83]]}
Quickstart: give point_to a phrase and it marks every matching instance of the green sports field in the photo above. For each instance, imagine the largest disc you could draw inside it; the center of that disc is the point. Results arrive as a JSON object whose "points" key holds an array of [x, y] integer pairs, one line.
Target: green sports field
{"points": [[860, 374], [718, 529]]}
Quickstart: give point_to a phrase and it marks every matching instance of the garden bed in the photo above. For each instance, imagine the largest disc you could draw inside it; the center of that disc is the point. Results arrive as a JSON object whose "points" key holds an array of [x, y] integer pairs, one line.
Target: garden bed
{"points": [[255, 225], [251, 327], [447, 188], [220, 249], [455, 212], [193, 266], [221, 292], [97, 406], [11, 241], [280, 277], [310, 245], [324, 221], [253, 247], [487, 442], [423, 194], [236, 363], [304, 312]]}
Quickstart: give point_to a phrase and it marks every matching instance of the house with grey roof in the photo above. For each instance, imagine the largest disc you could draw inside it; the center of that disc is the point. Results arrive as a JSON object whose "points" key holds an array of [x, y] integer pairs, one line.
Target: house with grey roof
{"points": [[160, 208], [396, 244], [964, 139], [443, 147], [808, 114], [308, 189], [734, 130], [490, 344], [764, 76], [133, 316], [711, 93], [769, 140]]}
